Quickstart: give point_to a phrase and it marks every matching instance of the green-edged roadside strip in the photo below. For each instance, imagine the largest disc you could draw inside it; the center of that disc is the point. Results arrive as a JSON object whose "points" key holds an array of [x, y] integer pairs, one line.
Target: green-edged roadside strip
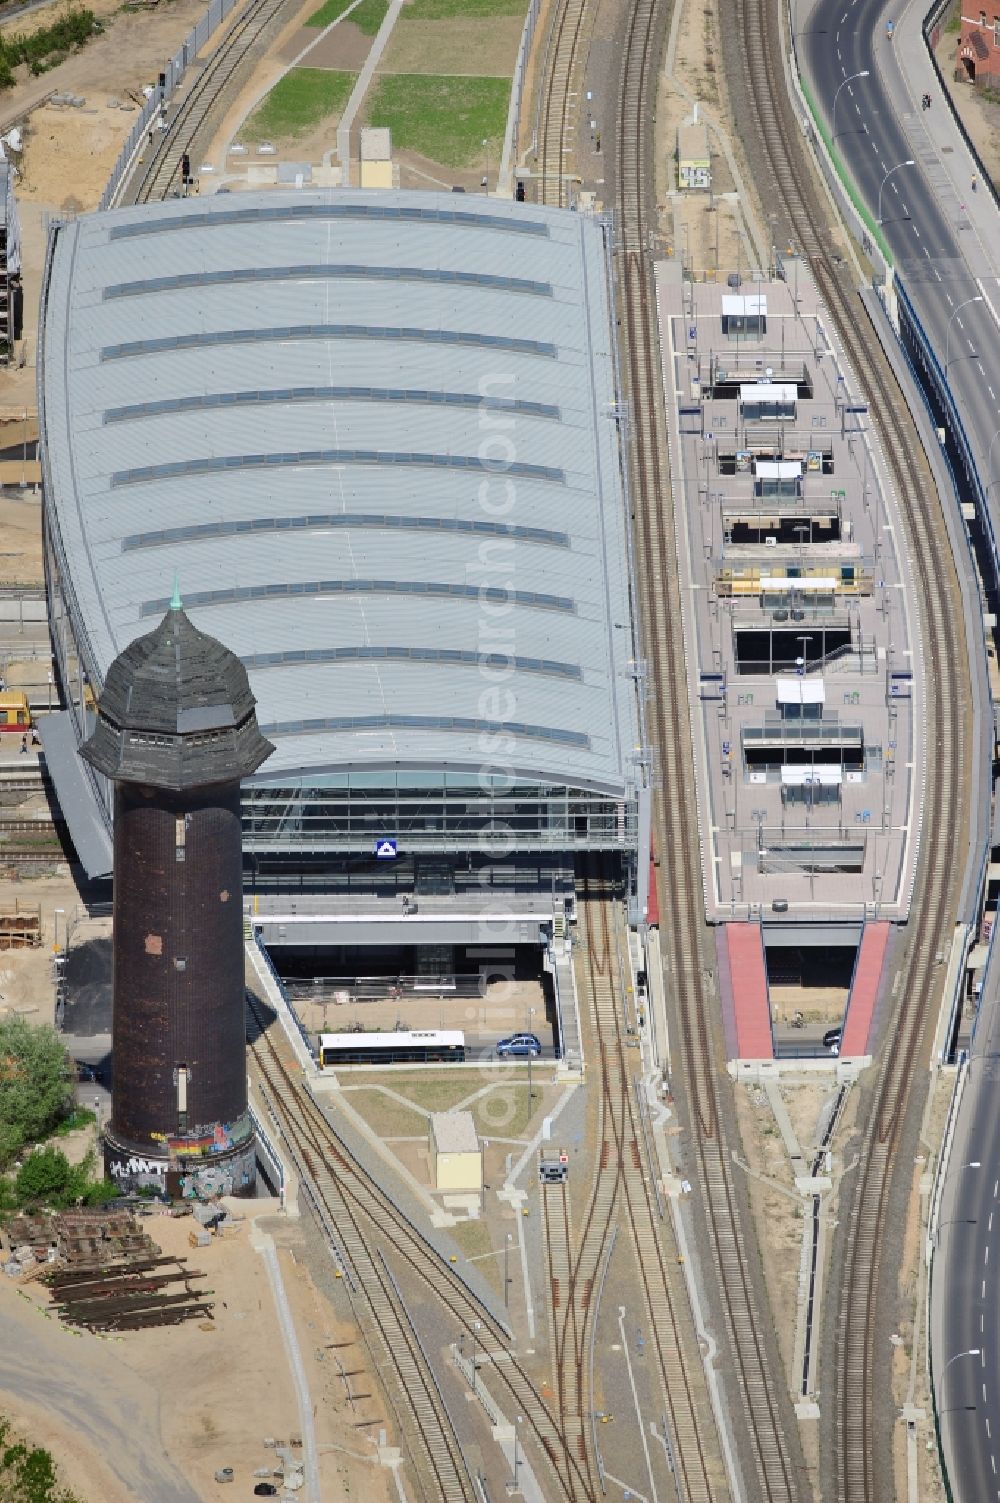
{"points": [[845, 178]]}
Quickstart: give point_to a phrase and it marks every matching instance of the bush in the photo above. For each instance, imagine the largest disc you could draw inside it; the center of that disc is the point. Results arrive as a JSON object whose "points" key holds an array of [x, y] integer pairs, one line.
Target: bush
{"points": [[78, 1116], [27, 1473], [35, 1092], [48, 45], [47, 1178]]}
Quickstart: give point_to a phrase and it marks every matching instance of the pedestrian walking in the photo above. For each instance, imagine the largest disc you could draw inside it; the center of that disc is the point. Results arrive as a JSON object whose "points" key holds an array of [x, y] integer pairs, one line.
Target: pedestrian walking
{"points": [[24, 746]]}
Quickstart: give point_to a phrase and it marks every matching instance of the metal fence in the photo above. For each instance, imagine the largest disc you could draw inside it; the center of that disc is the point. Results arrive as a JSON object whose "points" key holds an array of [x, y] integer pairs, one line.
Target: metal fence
{"points": [[173, 73], [504, 186]]}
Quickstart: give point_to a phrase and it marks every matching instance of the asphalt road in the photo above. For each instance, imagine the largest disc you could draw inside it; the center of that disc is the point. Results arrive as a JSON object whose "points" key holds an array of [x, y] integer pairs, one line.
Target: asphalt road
{"points": [[939, 241], [931, 227], [967, 1290], [92, 1392]]}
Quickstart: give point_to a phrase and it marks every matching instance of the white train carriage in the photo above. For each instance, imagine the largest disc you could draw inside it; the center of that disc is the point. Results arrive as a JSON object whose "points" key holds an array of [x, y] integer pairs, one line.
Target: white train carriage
{"points": [[419, 1046]]}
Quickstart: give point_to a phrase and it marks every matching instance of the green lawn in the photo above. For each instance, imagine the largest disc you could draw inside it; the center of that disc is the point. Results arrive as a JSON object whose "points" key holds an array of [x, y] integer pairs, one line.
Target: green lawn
{"points": [[505, 1112], [444, 10], [445, 119], [300, 100], [435, 1093], [386, 1116], [367, 17]]}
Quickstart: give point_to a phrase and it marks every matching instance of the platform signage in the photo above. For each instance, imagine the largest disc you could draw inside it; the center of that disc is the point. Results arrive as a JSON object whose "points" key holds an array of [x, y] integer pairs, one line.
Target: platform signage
{"points": [[385, 850]]}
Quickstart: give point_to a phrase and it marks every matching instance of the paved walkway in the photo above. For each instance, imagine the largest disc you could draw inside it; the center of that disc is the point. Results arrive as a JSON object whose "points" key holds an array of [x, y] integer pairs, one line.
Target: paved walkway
{"points": [[936, 141]]}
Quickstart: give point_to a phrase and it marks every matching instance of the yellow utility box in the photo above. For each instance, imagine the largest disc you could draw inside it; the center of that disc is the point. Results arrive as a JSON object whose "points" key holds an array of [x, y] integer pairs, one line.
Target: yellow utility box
{"points": [[456, 1157], [377, 170]]}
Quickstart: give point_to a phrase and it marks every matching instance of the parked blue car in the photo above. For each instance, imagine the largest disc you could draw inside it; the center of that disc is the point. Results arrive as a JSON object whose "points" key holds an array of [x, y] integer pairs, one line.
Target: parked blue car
{"points": [[519, 1046]]}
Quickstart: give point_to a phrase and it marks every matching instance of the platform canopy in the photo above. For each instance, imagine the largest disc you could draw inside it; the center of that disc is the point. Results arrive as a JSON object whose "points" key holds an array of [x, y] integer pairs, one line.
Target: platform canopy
{"points": [[767, 394], [751, 306], [777, 582], [818, 776], [778, 469], [800, 691]]}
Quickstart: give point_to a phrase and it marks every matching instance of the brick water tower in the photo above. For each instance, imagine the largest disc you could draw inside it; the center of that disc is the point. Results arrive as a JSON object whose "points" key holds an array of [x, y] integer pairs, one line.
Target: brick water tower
{"points": [[176, 731]]}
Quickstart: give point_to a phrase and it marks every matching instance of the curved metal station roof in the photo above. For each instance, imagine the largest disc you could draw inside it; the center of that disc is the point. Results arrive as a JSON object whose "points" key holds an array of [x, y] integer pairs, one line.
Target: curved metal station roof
{"points": [[375, 437]]}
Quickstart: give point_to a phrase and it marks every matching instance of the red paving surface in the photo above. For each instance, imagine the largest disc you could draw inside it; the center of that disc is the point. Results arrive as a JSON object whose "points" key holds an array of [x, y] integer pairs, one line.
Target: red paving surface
{"points": [[864, 989], [749, 981], [653, 906]]}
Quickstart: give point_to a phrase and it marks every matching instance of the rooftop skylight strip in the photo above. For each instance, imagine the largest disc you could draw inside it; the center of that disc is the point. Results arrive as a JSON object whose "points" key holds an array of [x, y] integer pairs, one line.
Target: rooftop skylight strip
{"points": [[440, 656], [225, 399], [319, 521], [325, 272], [293, 333], [220, 464], [321, 588], [460, 723], [509, 224]]}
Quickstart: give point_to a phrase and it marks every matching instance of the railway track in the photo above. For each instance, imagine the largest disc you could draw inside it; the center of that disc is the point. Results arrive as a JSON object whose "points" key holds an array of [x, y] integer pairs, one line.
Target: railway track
{"points": [[623, 1188], [773, 1468], [210, 92], [863, 1467], [356, 1215], [31, 854], [570, 21]]}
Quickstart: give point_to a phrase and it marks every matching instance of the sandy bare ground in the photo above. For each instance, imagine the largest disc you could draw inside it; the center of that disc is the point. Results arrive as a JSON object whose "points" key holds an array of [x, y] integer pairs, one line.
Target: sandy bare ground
{"points": [[152, 1415], [20, 540], [701, 226], [68, 154]]}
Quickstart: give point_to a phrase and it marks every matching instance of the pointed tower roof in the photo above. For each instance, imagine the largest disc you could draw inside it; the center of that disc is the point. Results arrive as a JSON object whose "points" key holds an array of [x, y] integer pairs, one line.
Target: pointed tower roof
{"points": [[176, 711]]}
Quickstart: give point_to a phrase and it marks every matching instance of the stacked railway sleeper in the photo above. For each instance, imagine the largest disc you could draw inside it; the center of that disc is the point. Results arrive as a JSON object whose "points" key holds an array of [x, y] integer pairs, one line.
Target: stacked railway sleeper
{"points": [[773, 1467], [211, 90], [105, 1273], [863, 1466], [361, 1220], [130, 1296]]}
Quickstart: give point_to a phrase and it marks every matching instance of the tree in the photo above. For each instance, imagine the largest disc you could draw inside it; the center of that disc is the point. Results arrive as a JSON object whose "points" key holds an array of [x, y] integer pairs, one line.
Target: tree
{"points": [[35, 1089], [47, 1178]]}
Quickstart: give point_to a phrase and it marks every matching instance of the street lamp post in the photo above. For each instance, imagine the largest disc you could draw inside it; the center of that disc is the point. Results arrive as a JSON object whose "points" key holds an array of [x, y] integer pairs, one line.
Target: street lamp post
{"points": [[531, 1029], [989, 463], [517, 1419], [953, 1221], [850, 79], [972, 1352], [506, 1270], [908, 163], [954, 314], [476, 1324]]}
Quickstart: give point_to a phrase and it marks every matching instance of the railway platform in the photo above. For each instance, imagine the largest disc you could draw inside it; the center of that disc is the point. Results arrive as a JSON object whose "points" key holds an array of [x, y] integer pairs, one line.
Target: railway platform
{"points": [[804, 665]]}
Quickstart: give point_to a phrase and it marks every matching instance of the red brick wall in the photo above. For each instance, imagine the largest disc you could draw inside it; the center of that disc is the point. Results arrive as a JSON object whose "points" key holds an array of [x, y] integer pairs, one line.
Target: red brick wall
{"points": [[977, 43]]}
